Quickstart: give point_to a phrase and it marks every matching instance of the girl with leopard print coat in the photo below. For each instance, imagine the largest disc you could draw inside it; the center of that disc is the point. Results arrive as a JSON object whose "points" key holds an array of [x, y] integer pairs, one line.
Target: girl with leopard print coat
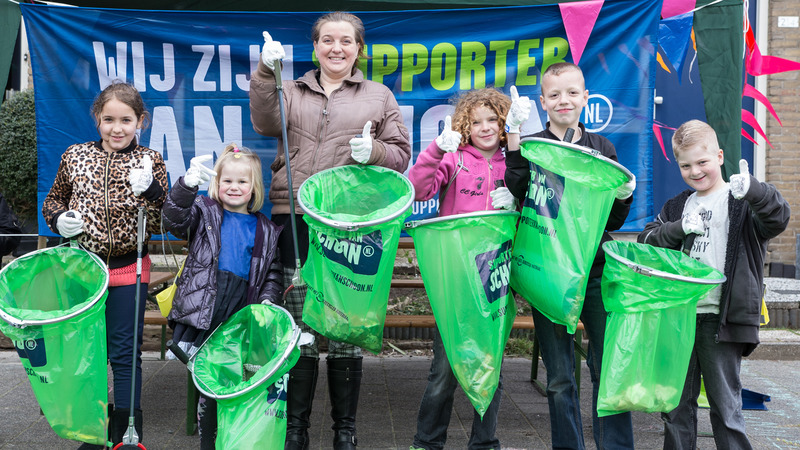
{"points": [[95, 198]]}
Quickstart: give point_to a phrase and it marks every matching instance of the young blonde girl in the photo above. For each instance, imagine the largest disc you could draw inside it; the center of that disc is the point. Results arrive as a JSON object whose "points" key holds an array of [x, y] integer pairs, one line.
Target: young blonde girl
{"points": [[95, 198], [466, 166], [233, 254]]}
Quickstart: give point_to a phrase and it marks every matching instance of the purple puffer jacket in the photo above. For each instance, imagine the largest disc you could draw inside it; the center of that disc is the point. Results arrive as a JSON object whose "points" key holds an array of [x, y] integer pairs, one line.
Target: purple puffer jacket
{"points": [[199, 219]]}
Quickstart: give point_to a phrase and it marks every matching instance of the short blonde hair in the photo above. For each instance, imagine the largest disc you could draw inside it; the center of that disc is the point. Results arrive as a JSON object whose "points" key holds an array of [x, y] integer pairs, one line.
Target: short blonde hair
{"points": [[694, 133], [561, 67], [466, 104], [235, 153]]}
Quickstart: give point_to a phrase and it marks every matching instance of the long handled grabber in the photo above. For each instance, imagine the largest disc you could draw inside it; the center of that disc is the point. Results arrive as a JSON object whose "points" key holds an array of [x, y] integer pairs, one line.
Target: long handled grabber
{"points": [[130, 440], [297, 280]]}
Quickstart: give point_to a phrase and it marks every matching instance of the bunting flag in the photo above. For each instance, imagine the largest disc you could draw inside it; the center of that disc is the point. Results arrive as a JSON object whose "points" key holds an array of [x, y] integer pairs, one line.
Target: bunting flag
{"points": [[579, 19], [758, 64], [674, 35], [748, 137], [750, 119], [657, 126], [752, 92], [672, 8]]}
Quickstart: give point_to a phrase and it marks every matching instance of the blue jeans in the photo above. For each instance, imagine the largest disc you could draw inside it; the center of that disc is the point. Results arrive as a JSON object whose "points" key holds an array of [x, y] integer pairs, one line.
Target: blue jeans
{"points": [[558, 355], [719, 363], [437, 405], [120, 337]]}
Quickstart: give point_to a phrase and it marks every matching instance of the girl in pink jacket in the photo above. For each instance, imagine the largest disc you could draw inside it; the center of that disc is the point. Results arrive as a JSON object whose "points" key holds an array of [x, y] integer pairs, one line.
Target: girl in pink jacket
{"points": [[466, 166]]}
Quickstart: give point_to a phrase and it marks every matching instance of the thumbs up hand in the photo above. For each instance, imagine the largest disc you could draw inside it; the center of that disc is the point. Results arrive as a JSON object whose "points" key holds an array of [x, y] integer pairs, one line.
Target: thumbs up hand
{"points": [[271, 52], [740, 183], [361, 145], [198, 173], [141, 178], [519, 112], [448, 141]]}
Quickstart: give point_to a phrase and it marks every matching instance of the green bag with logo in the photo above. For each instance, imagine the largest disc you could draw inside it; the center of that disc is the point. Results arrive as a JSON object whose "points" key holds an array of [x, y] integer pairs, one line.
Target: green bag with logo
{"points": [[563, 218], [355, 216], [465, 263], [651, 294], [52, 302], [244, 365]]}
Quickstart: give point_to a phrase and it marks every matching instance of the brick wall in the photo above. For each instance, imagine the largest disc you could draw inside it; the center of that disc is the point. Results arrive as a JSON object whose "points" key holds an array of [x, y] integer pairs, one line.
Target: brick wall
{"points": [[783, 162]]}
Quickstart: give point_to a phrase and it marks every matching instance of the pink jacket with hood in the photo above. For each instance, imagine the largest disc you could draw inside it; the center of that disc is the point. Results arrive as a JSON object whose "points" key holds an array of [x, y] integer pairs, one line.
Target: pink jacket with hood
{"points": [[469, 191]]}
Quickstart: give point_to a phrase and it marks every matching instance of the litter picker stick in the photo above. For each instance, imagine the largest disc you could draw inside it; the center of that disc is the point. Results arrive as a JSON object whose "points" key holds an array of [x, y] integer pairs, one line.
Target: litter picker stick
{"points": [[130, 439], [297, 280]]}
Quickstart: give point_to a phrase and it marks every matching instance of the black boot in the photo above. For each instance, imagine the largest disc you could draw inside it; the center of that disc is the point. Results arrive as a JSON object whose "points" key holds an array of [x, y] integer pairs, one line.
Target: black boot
{"points": [[299, 396], [119, 424], [344, 384]]}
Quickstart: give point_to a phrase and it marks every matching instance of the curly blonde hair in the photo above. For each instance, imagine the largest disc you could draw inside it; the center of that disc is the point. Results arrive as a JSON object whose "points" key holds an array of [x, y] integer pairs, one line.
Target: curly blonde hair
{"points": [[233, 153], [466, 103]]}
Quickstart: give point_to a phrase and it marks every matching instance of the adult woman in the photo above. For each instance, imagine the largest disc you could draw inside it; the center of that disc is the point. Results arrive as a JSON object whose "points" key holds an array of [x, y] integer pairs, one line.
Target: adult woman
{"points": [[334, 117]]}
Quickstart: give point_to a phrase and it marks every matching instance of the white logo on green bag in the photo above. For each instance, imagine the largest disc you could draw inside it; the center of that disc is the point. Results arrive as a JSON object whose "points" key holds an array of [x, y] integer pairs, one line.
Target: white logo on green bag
{"points": [[494, 268], [361, 254], [544, 194]]}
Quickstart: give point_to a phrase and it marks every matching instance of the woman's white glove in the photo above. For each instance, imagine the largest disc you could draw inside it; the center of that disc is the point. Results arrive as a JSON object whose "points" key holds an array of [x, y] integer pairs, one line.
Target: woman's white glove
{"points": [[502, 198], [449, 140], [740, 183], [142, 178], [272, 51], [693, 222], [626, 190], [70, 224], [198, 173], [361, 145], [519, 112]]}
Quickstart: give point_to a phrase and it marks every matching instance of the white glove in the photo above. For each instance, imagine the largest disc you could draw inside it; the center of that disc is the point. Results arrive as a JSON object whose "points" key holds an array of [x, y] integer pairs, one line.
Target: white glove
{"points": [[740, 183], [198, 173], [519, 111], [626, 190], [70, 226], [693, 222], [449, 140], [502, 198], [141, 179], [272, 51], [361, 145]]}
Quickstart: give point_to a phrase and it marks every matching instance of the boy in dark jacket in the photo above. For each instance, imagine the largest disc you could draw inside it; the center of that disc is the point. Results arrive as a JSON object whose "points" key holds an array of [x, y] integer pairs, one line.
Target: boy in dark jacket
{"points": [[730, 224], [564, 95]]}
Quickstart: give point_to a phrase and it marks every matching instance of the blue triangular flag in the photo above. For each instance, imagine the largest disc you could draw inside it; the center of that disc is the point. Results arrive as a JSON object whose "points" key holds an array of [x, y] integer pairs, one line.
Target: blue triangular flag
{"points": [[674, 35]]}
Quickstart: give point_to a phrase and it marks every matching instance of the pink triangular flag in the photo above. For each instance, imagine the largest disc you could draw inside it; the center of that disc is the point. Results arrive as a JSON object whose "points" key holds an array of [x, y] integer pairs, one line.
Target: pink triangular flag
{"points": [[579, 19], [672, 8], [758, 64], [750, 91], [748, 137], [657, 133], [750, 119]]}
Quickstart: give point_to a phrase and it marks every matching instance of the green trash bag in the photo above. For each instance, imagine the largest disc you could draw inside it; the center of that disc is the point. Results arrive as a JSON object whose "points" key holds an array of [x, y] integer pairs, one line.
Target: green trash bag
{"points": [[355, 216], [563, 218], [465, 264], [651, 294], [52, 303], [244, 365]]}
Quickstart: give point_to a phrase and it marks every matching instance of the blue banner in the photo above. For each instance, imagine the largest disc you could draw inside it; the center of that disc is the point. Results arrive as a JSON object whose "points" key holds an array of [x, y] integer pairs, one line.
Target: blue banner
{"points": [[193, 70]]}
